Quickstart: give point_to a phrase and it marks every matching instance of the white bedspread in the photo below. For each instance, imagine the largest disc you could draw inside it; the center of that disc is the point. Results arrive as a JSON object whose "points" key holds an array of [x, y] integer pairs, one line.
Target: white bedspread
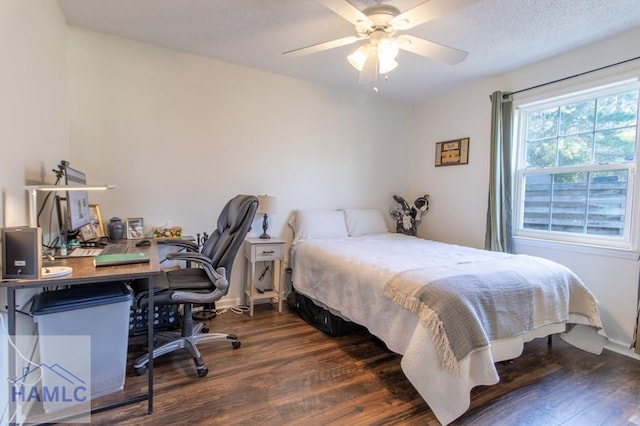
{"points": [[348, 276]]}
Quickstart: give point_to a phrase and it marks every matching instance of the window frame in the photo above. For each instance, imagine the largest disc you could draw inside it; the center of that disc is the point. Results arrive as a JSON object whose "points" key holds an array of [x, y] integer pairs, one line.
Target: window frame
{"points": [[569, 95]]}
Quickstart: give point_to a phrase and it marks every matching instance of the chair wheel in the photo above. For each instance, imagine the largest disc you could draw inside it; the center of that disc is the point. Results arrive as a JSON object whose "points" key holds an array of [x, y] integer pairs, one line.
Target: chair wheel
{"points": [[140, 370], [203, 371], [204, 330], [236, 344]]}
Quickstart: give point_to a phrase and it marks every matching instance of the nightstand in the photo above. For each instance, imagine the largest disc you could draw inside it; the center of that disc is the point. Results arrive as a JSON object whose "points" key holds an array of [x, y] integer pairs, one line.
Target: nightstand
{"points": [[264, 250]]}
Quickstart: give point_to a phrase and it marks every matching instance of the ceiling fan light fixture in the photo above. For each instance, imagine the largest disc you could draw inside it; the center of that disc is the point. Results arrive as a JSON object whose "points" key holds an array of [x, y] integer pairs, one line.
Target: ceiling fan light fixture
{"points": [[359, 57], [388, 49], [387, 66]]}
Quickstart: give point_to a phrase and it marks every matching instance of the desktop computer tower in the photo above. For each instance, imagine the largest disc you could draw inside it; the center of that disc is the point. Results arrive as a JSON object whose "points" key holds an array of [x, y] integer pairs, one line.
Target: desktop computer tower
{"points": [[21, 253]]}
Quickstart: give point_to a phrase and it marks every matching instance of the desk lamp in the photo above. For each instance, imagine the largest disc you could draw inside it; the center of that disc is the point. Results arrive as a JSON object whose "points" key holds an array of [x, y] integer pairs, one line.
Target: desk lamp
{"points": [[266, 205], [54, 271], [34, 189]]}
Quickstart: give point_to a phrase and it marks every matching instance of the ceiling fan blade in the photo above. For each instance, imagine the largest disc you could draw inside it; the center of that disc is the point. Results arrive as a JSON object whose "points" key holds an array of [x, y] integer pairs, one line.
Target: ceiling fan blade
{"points": [[427, 11], [344, 41], [430, 49], [347, 11]]}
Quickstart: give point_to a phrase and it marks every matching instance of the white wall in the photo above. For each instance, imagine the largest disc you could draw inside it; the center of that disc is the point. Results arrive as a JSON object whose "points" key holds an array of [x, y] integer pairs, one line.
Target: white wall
{"points": [[459, 193], [33, 119], [33, 116], [180, 134]]}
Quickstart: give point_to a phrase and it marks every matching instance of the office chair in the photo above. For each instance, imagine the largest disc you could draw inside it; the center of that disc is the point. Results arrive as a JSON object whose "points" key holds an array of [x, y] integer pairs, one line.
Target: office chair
{"points": [[207, 282]]}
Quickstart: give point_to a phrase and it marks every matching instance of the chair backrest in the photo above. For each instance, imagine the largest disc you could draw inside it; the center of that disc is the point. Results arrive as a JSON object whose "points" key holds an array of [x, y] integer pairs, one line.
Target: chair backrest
{"points": [[234, 223]]}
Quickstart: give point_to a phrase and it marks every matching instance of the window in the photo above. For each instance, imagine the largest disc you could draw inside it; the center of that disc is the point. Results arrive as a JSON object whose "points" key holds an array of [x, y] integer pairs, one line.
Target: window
{"points": [[576, 166]]}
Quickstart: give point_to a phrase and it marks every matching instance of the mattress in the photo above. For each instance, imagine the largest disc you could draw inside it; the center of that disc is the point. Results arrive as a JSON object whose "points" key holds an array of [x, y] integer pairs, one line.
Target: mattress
{"points": [[348, 276]]}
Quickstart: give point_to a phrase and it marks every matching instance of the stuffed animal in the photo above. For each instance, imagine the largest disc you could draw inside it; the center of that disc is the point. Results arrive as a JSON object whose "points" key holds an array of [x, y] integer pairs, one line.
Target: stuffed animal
{"points": [[409, 217]]}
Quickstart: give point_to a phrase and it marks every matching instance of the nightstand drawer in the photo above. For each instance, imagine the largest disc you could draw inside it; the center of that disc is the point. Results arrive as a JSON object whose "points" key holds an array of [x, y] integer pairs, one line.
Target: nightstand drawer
{"points": [[264, 252], [261, 252]]}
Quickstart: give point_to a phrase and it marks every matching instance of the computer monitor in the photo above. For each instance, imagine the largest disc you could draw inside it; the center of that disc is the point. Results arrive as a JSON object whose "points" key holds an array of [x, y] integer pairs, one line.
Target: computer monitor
{"points": [[77, 202]]}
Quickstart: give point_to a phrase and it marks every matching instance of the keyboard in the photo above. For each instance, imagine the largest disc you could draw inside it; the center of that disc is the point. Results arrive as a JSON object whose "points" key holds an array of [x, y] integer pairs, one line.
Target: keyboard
{"points": [[115, 248], [85, 252]]}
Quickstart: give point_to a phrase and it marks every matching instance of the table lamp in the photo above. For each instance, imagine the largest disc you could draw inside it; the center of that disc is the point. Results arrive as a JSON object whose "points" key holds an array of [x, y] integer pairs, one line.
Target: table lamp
{"points": [[266, 205]]}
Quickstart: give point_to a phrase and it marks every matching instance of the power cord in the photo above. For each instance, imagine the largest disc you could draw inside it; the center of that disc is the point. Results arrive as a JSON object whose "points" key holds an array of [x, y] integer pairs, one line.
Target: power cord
{"points": [[266, 269], [24, 358], [238, 309]]}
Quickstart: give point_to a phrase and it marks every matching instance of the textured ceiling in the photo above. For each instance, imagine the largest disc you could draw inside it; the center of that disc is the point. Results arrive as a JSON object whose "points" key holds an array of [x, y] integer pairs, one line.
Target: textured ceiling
{"points": [[500, 35]]}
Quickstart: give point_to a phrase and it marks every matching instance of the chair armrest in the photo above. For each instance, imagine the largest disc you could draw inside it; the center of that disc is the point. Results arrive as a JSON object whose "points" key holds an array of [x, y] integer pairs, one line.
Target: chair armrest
{"points": [[189, 257], [184, 244], [217, 276]]}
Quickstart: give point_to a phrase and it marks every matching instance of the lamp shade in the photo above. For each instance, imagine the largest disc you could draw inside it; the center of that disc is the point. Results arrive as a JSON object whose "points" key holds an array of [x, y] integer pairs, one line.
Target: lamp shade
{"points": [[359, 57], [267, 204]]}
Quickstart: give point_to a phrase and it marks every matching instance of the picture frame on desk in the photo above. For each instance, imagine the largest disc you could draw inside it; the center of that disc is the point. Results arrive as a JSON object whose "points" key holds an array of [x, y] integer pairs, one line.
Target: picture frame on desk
{"points": [[135, 228], [88, 233], [96, 221]]}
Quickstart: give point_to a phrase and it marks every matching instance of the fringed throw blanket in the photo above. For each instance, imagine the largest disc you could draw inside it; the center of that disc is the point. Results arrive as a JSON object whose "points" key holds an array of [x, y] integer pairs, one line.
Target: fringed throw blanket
{"points": [[466, 305]]}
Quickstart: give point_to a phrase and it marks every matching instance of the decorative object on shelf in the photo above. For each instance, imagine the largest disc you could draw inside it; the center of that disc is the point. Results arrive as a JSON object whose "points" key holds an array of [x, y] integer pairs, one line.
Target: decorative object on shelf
{"points": [[453, 152], [115, 229], [135, 228], [409, 217], [266, 205], [161, 232]]}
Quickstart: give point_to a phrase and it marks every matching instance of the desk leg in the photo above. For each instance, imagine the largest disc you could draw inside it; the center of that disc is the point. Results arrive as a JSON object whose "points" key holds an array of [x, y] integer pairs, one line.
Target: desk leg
{"points": [[11, 361], [150, 336]]}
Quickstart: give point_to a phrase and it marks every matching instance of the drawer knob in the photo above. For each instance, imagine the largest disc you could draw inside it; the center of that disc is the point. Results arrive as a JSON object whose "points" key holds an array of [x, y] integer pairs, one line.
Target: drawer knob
{"points": [[268, 251]]}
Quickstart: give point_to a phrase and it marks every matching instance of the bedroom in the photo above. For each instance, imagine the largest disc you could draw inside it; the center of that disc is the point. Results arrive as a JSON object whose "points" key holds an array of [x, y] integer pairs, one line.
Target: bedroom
{"points": [[141, 117]]}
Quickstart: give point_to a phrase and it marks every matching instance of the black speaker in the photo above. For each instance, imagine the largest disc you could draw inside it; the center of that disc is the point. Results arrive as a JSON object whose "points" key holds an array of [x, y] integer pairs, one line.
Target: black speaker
{"points": [[21, 253]]}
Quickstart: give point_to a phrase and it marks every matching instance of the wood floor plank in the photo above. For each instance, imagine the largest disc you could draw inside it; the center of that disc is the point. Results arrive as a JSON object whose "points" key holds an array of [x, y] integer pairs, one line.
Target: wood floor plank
{"points": [[288, 373]]}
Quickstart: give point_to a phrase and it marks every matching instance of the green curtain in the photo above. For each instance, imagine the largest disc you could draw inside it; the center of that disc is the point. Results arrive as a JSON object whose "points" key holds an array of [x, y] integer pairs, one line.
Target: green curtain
{"points": [[498, 235]]}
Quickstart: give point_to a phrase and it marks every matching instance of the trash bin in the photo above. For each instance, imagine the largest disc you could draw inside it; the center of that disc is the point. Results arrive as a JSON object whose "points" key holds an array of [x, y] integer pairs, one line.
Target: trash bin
{"points": [[100, 311]]}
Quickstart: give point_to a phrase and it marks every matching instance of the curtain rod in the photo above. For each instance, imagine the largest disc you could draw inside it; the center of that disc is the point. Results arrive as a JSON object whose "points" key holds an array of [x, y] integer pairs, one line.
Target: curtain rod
{"points": [[505, 95]]}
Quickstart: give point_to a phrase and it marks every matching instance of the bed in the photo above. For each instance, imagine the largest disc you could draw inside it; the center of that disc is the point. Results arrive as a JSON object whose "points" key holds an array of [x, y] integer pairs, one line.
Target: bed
{"points": [[450, 311]]}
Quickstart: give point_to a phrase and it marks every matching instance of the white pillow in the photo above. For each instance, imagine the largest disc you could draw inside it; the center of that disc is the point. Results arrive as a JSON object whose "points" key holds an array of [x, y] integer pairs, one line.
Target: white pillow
{"points": [[319, 224], [364, 222]]}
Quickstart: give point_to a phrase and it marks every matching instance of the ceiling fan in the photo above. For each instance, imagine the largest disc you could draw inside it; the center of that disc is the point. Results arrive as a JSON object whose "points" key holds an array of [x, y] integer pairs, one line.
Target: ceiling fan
{"points": [[379, 24]]}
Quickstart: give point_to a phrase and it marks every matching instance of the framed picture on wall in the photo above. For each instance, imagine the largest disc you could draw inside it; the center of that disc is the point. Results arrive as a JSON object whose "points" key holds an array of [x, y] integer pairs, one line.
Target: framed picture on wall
{"points": [[450, 153], [135, 228]]}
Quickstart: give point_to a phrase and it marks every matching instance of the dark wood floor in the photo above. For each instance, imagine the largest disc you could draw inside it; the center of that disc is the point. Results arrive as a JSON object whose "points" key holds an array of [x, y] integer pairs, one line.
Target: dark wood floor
{"points": [[287, 372]]}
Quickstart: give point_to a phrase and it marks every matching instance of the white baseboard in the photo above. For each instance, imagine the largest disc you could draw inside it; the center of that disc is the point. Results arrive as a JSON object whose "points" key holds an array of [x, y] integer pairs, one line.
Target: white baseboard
{"points": [[621, 349]]}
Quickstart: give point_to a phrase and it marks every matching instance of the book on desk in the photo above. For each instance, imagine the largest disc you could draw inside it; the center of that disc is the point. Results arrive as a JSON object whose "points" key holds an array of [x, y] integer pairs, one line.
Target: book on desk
{"points": [[119, 259], [112, 254]]}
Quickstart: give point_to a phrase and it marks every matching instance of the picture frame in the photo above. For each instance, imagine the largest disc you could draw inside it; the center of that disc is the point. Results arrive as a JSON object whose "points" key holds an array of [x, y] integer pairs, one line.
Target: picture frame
{"points": [[88, 233], [453, 152], [159, 233], [135, 228], [96, 220]]}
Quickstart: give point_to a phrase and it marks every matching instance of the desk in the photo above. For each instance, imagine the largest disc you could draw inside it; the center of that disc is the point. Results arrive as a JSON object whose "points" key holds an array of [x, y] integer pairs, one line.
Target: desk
{"points": [[85, 273]]}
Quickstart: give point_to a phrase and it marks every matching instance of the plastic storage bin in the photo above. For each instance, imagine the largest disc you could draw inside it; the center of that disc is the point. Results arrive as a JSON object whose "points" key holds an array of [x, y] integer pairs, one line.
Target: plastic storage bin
{"points": [[100, 311]]}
